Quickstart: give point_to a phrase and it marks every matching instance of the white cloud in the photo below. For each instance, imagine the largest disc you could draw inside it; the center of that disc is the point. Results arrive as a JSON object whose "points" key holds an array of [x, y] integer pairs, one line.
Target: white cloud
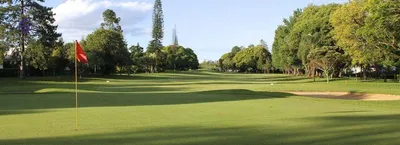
{"points": [[136, 5], [77, 18]]}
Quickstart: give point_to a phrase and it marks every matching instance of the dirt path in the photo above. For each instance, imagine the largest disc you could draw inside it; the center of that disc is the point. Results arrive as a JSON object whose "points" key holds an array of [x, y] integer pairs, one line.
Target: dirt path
{"points": [[350, 96]]}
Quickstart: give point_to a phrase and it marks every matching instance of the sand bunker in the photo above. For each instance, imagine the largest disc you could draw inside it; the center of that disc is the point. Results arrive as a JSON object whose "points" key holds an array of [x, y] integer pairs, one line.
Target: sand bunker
{"points": [[347, 95]]}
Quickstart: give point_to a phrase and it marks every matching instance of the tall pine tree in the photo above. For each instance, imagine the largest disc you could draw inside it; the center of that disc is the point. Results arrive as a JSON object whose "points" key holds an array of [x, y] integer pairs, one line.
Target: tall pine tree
{"points": [[174, 37], [155, 46]]}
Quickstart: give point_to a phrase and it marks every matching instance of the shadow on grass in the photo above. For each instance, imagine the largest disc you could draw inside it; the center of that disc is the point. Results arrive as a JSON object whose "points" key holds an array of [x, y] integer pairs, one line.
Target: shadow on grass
{"points": [[335, 95], [67, 100], [14, 112], [341, 112], [32, 88], [347, 129]]}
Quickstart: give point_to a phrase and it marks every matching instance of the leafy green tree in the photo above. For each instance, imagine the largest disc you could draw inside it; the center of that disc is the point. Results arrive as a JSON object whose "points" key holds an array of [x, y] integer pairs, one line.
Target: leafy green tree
{"points": [[180, 58], [251, 59], [382, 30], [241, 60], [96, 61], [172, 58], [137, 57], [285, 47], [364, 27], [3, 48], [38, 56], [111, 21], [209, 65], [261, 55], [227, 62], [383, 24], [137, 54], [326, 59], [150, 59], [278, 46], [191, 58], [267, 67], [235, 49], [59, 57], [265, 64], [44, 57], [313, 30], [36, 22], [347, 22], [108, 46]]}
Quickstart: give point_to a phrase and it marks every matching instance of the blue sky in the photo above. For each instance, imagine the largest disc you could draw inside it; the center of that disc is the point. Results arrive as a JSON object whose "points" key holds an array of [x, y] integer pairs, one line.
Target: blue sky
{"points": [[210, 27]]}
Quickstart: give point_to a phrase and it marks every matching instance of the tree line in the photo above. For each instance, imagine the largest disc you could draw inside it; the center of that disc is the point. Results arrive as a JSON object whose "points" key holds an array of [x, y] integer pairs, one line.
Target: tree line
{"points": [[250, 59], [328, 41], [333, 38], [47, 54]]}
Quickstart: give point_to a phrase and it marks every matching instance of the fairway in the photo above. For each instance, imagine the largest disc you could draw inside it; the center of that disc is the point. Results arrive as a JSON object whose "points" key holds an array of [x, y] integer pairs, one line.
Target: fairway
{"points": [[194, 108]]}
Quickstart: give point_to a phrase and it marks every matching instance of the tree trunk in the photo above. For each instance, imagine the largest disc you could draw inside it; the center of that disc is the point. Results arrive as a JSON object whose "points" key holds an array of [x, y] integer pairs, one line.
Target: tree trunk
{"points": [[385, 78], [385, 74], [314, 71], [22, 67], [364, 70], [327, 77], [397, 77], [95, 69], [356, 78]]}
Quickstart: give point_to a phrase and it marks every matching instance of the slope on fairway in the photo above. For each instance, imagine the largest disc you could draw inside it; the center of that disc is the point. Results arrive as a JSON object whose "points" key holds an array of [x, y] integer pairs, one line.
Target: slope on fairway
{"points": [[194, 108]]}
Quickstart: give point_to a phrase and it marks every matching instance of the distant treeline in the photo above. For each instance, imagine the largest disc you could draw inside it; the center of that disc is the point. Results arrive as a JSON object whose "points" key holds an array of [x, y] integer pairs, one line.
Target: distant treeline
{"points": [[329, 40], [45, 53], [250, 59]]}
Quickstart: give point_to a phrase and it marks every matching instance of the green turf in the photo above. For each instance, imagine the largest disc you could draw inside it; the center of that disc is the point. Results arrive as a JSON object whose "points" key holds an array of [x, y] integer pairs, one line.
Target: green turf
{"points": [[194, 108]]}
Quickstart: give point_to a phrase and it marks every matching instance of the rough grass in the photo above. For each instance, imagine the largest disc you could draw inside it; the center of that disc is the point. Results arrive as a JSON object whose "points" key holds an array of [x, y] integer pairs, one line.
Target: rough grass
{"points": [[194, 108]]}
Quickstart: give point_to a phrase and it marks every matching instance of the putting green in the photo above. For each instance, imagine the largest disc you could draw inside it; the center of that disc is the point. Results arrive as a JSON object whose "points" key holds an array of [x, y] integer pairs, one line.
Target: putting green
{"points": [[194, 108]]}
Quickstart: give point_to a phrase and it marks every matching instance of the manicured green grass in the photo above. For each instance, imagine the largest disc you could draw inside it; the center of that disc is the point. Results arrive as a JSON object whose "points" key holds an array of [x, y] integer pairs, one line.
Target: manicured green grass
{"points": [[194, 108]]}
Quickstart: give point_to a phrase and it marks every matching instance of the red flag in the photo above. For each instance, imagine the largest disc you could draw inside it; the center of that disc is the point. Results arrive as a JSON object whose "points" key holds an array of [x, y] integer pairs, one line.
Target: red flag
{"points": [[80, 54]]}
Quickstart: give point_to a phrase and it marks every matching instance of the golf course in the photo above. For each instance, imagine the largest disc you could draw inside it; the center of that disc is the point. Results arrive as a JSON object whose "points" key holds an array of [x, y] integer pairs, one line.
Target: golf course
{"points": [[195, 108], [199, 72]]}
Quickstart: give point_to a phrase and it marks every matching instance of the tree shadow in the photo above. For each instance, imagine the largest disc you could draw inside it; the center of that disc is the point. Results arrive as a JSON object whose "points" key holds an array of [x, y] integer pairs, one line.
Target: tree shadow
{"points": [[344, 129], [99, 88], [334, 95], [87, 99], [349, 111], [356, 129], [187, 135], [14, 112]]}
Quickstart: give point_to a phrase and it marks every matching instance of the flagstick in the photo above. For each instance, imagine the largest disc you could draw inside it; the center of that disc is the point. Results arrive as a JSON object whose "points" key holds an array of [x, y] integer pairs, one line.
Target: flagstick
{"points": [[76, 91]]}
